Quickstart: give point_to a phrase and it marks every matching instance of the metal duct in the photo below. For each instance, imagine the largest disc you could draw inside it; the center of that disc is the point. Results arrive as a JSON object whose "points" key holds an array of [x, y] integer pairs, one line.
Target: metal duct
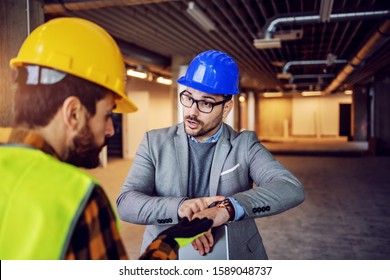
{"points": [[310, 76], [310, 62], [270, 27], [365, 51]]}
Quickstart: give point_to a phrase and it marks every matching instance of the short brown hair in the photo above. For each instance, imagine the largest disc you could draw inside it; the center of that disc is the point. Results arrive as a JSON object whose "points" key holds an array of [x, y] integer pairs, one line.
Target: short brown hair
{"points": [[36, 105]]}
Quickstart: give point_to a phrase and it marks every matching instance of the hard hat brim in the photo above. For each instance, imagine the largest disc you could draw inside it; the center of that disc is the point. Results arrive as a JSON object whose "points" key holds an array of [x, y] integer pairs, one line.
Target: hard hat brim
{"points": [[203, 88]]}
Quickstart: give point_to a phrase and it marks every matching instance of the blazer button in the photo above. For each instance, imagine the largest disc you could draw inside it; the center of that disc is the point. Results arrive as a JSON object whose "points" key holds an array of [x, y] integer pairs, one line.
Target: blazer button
{"points": [[261, 209]]}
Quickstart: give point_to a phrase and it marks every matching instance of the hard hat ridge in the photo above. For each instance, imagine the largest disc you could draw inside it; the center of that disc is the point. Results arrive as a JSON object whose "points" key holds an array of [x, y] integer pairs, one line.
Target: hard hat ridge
{"points": [[212, 72]]}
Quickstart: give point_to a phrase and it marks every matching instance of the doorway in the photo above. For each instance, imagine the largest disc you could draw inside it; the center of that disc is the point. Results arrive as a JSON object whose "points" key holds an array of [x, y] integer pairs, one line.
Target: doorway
{"points": [[115, 146], [345, 120]]}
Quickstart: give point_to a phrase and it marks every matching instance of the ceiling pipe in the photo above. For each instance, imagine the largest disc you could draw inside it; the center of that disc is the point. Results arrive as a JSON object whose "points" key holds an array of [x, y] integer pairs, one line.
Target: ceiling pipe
{"points": [[28, 17], [310, 62], [383, 33], [310, 76], [326, 10], [90, 5], [271, 26]]}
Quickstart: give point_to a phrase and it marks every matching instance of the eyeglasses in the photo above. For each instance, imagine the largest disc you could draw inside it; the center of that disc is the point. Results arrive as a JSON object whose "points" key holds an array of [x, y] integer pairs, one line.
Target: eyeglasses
{"points": [[202, 105]]}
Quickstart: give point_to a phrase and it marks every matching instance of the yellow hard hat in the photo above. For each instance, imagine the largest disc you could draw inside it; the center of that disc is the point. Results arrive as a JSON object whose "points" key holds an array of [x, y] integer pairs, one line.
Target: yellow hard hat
{"points": [[81, 48]]}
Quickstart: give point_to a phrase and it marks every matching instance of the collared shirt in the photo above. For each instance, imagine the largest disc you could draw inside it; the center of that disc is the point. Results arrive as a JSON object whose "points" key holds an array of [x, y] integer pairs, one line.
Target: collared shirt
{"points": [[211, 139], [96, 235]]}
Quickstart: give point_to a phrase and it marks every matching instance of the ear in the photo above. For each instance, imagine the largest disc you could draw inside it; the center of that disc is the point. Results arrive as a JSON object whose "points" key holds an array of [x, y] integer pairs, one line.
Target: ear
{"points": [[72, 113], [227, 108]]}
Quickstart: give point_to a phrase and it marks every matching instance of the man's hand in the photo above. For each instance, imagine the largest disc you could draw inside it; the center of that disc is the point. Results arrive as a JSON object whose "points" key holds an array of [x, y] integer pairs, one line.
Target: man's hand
{"points": [[204, 243], [167, 243], [186, 231], [191, 206], [219, 216]]}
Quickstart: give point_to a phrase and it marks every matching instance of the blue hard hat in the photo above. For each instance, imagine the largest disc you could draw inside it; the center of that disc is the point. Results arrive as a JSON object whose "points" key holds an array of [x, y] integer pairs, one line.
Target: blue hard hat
{"points": [[212, 72]]}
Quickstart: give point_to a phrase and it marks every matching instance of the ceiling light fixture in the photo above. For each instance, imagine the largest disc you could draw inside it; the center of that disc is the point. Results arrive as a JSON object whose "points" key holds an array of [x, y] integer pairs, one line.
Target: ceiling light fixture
{"points": [[289, 35], [326, 10], [274, 40], [200, 17], [164, 81], [137, 74], [278, 63], [273, 94], [348, 92], [285, 76], [312, 93], [272, 43], [290, 86]]}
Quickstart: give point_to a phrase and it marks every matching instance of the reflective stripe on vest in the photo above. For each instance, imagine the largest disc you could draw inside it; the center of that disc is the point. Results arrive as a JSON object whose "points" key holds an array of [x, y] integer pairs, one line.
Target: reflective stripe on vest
{"points": [[41, 200]]}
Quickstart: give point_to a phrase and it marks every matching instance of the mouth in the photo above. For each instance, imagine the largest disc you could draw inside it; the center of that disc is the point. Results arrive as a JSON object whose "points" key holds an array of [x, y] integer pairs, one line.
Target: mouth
{"points": [[192, 124]]}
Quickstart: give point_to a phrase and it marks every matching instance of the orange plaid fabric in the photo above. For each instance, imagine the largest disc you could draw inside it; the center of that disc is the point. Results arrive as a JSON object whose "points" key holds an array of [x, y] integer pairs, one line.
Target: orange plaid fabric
{"points": [[162, 248]]}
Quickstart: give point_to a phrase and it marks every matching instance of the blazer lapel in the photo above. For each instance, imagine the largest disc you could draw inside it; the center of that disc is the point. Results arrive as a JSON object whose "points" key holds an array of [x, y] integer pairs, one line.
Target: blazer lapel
{"points": [[221, 151], [181, 150]]}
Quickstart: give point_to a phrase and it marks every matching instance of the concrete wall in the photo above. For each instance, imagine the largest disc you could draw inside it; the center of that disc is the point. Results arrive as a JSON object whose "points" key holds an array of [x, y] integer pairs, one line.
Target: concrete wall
{"points": [[17, 19], [154, 111], [301, 116], [272, 115]]}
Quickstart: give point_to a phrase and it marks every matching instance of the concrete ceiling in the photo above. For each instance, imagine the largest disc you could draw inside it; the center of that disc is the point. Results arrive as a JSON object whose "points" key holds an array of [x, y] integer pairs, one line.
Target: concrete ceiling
{"points": [[329, 54]]}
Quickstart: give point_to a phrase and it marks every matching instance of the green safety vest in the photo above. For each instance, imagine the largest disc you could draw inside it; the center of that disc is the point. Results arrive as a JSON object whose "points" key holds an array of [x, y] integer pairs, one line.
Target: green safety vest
{"points": [[41, 199]]}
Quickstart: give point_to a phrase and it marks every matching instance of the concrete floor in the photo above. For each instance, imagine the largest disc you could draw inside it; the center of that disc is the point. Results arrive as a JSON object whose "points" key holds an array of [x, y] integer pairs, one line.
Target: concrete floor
{"points": [[346, 214]]}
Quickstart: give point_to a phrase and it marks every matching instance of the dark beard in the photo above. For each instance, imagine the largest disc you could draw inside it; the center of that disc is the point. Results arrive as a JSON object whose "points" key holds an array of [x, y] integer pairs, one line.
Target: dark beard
{"points": [[203, 131], [84, 152]]}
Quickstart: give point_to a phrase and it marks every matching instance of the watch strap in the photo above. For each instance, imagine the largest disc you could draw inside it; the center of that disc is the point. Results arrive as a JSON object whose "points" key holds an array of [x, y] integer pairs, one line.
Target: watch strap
{"points": [[228, 205]]}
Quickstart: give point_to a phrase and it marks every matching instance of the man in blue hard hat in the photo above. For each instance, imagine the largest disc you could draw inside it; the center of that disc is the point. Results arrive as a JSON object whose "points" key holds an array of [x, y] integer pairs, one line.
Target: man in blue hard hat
{"points": [[203, 168]]}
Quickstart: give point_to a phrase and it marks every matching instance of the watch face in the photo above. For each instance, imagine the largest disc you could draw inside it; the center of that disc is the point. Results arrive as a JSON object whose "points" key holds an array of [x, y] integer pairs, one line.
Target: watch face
{"points": [[228, 206], [223, 204]]}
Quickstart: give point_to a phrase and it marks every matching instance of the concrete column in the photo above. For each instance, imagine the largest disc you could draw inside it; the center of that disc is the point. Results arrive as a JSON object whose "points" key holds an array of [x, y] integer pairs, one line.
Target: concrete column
{"points": [[17, 19], [230, 118], [360, 116], [180, 88], [251, 110], [179, 67], [382, 112]]}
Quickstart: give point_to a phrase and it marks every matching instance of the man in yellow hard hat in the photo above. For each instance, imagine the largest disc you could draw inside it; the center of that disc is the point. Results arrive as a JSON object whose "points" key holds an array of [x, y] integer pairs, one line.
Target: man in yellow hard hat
{"points": [[69, 78]]}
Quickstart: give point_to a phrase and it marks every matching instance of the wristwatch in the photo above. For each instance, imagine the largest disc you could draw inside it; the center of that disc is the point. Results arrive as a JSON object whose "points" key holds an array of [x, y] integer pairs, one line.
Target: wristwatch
{"points": [[227, 204]]}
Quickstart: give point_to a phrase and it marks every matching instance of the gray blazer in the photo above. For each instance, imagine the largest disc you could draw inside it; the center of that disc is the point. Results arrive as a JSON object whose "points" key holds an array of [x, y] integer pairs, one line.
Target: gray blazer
{"points": [[242, 168]]}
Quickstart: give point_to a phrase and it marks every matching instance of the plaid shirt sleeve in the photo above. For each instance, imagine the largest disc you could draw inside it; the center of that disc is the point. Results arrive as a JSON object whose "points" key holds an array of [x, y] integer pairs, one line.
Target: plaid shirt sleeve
{"points": [[162, 248], [96, 236]]}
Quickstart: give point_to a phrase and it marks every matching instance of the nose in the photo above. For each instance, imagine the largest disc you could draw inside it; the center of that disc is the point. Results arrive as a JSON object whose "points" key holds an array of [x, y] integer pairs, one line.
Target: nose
{"points": [[110, 130], [193, 110]]}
